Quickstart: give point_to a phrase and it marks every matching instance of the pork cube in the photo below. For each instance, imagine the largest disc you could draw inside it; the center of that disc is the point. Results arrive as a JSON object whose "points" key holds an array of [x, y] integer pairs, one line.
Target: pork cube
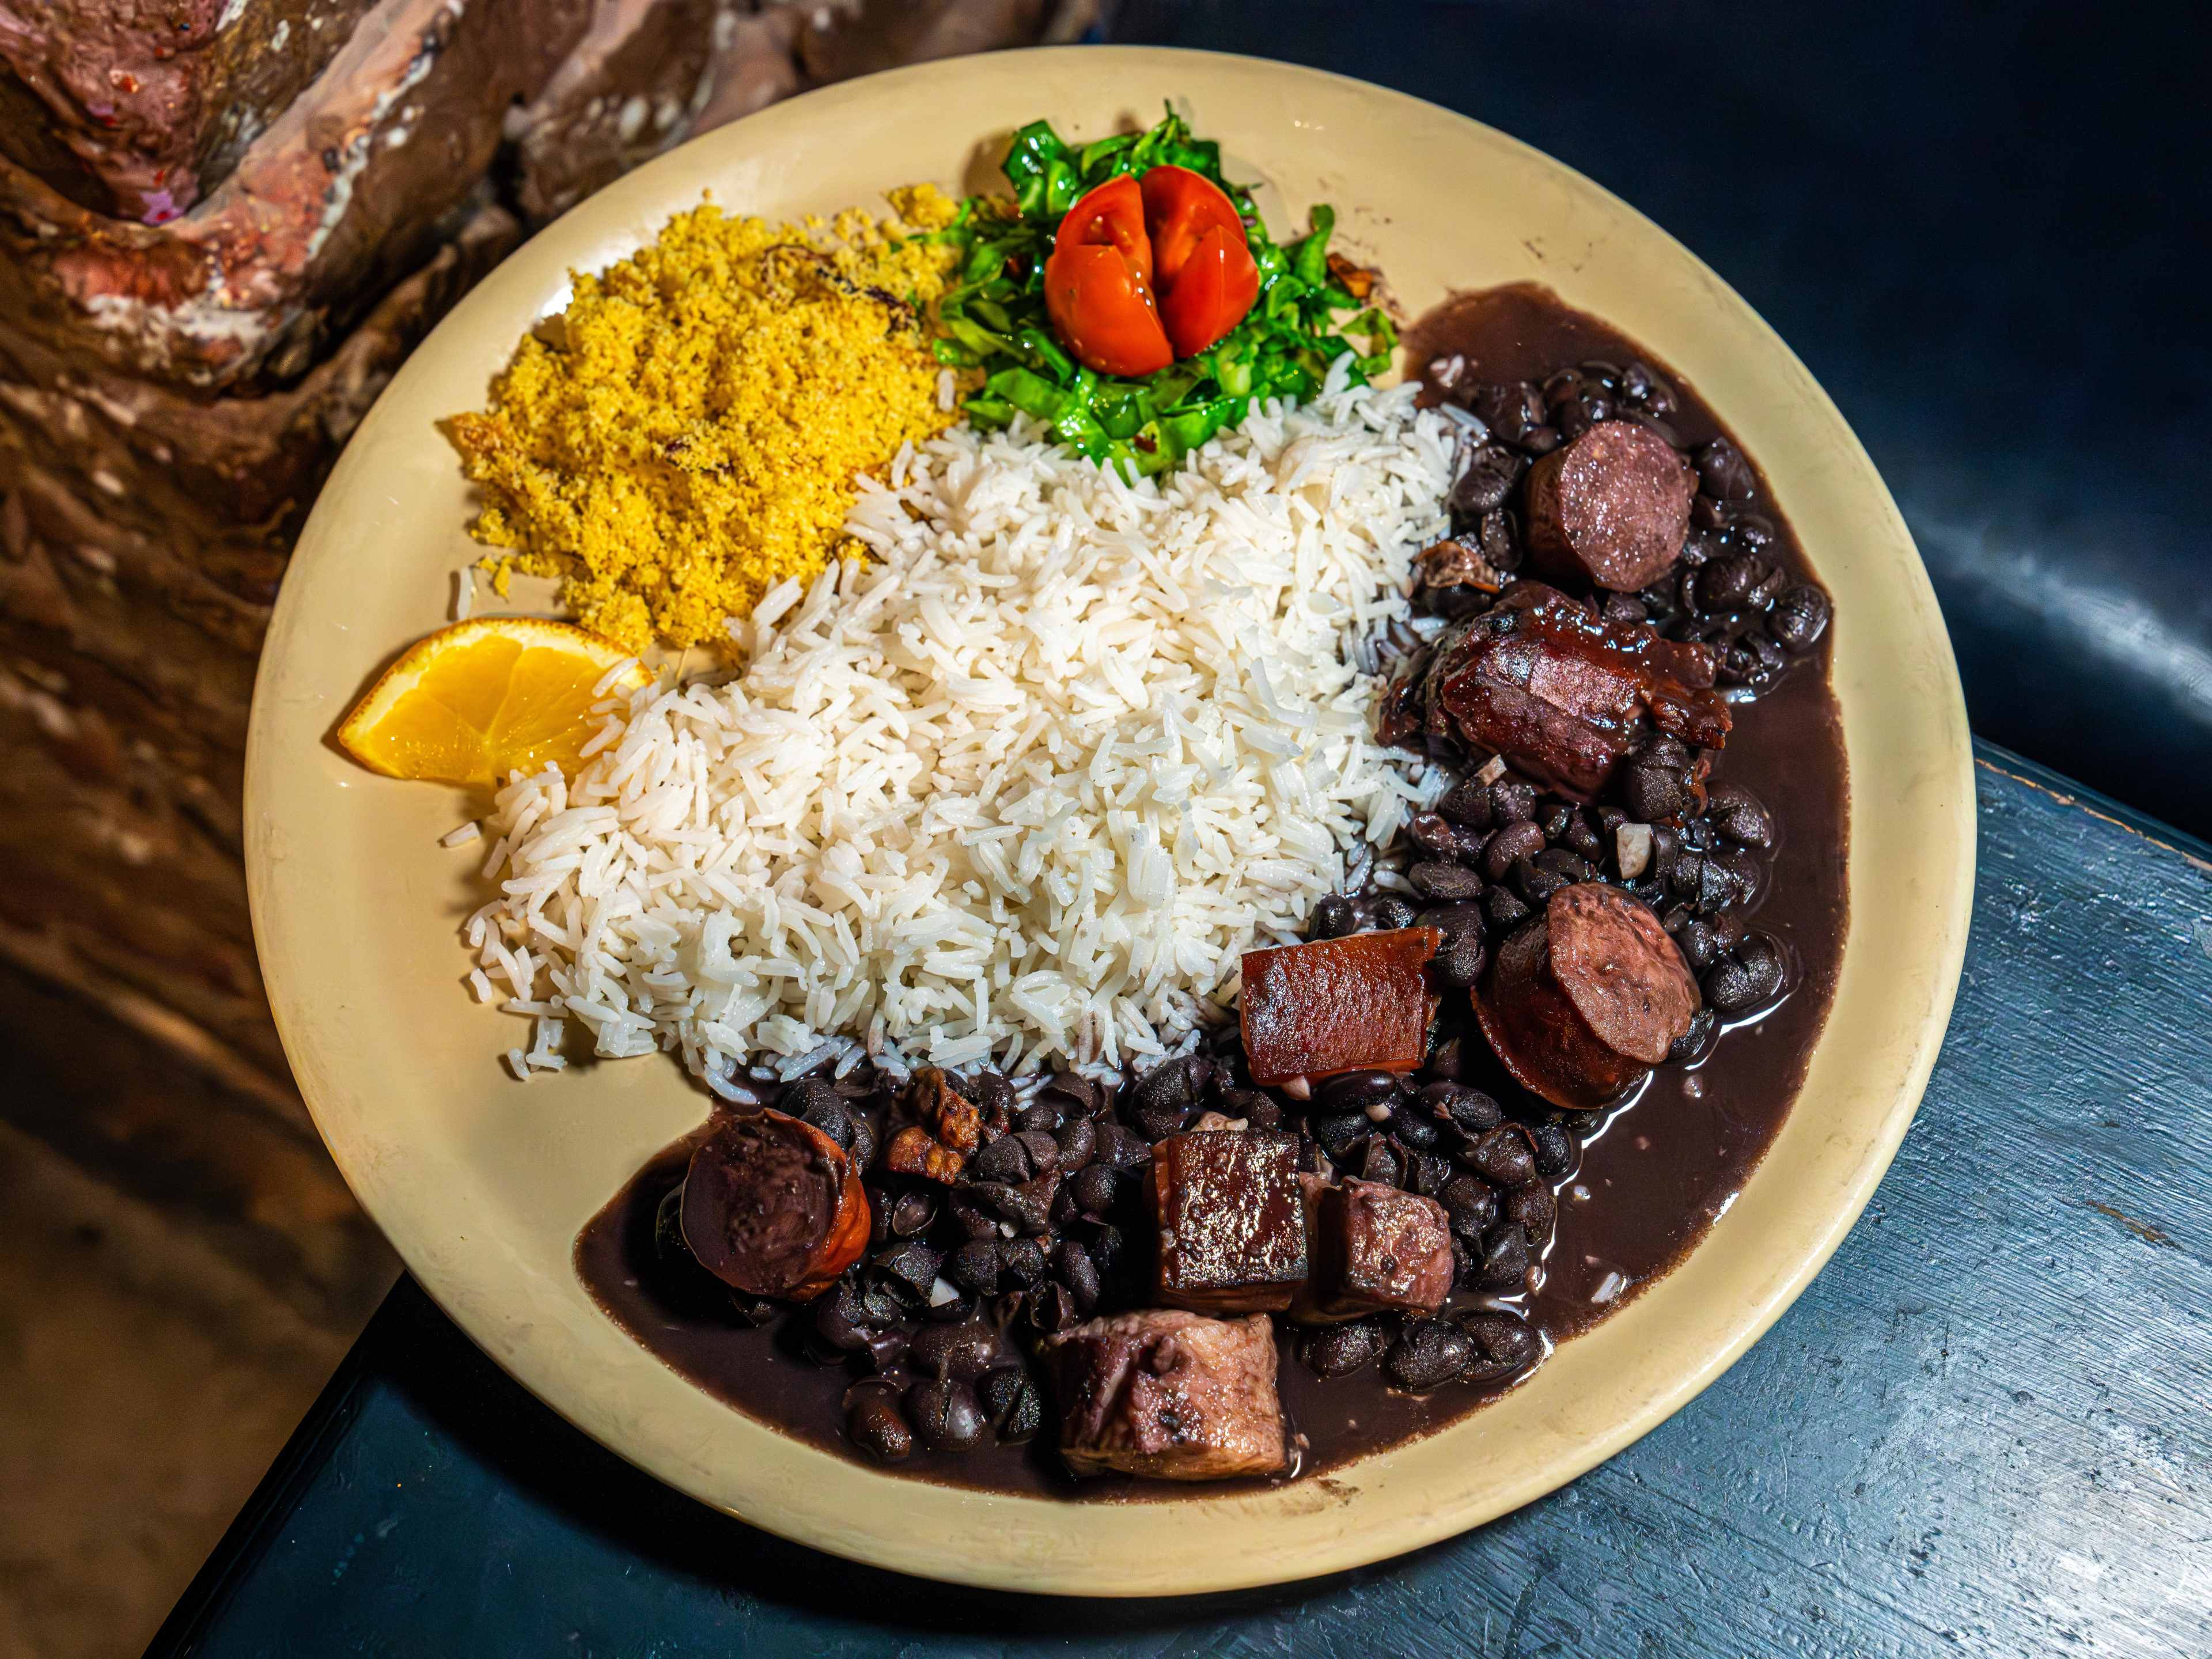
{"points": [[1168, 1394], [1339, 1005], [1376, 1248], [1229, 1229]]}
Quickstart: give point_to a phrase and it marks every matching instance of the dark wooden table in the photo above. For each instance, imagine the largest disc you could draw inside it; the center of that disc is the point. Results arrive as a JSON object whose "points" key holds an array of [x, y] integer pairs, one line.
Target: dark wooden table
{"points": [[1985, 1429]]}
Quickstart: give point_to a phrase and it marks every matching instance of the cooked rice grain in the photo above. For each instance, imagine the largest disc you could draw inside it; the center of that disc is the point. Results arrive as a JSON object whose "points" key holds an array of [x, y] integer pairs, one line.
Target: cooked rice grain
{"points": [[1021, 789]]}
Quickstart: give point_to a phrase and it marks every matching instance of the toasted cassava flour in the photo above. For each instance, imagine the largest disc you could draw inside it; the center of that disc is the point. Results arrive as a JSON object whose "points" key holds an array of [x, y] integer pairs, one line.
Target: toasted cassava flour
{"points": [[1022, 787]]}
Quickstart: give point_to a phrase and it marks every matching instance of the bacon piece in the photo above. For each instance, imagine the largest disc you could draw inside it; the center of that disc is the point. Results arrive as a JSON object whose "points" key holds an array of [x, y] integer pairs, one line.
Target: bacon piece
{"points": [[1358, 1004], [1230, 1227], [1563, 695]]}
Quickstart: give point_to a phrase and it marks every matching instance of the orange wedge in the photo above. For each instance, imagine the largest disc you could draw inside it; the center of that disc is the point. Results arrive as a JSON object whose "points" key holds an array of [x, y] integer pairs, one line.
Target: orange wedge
{"points": [[481, 700]]}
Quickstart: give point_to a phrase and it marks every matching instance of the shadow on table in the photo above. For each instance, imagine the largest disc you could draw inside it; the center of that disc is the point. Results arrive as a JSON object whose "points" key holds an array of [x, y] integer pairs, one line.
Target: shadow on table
{"points": [[533, 1450]]}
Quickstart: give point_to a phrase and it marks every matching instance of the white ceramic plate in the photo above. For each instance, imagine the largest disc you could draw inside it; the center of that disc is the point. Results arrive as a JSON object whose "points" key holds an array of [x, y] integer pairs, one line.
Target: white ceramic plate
{"points": [[482, 1184]]}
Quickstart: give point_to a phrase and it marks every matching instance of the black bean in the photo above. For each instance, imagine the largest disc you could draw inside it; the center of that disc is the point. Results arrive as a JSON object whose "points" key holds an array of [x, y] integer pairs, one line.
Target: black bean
{"points": [[1752, 531], [1698, 945], [842, 1319], [1178, 1083], [1535, 884], [964, 1352], [1021, 1264], [1379, 1160], [1555, 1149], [913, 1213], [1392, 913], [1427, 1172], [1539, 440], [755, 1311], [1519, 839], [1506, 1156], [974, 1267], [1004, 1159], [1707, 513], [1078, 1092], [1442, 840], [1624, 610], [1799, 617], [1462, 959], [1513, 799], [1428, 1353], [1508, 409], [1505, 908], [1739, 815], [1448, 1060], [1491, 472], [972, 1218], [1042, 1117], [815, 1102], [1497, 536], [1334, 917], [1355, 1091], [1077, 1146], [1504, 1344], [1693, 1042], [1120, 1147], [946, 1415], [1552, 818], [873, 1423], [1013, 1403], [1730, 987], [1723, 472], [1052, 1308], [1341, 1135], [1533, 1208], [1341, 1350], [1467, 803], [1073, 1267], [1655, 794], [1063, 1211], [1505, 1258], [1103, 1240], [1415, 1132], [1445, 881], [1471, 1204], [1094, 1189], [1584, 841], [1641, 386], [1453, 920], [1562, 862], [1468, 1110]]}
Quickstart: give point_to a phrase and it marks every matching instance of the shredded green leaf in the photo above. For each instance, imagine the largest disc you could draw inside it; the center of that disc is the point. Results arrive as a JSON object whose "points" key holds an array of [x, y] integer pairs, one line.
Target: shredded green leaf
{"points": [[994, 318]]}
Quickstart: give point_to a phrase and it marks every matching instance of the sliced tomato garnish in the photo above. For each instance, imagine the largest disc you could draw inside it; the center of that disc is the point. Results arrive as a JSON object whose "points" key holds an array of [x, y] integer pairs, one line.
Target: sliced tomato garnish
{"points": [[1180, 207], [1215, 287], [1141, 274], [1106, 320]]}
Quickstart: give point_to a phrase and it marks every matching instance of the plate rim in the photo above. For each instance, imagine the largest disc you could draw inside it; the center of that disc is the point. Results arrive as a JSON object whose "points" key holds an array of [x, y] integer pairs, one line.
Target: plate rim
{"points": [[1946, 917]]}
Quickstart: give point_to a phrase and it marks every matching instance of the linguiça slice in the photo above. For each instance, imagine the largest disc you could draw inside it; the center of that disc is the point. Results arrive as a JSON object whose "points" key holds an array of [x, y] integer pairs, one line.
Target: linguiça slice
{"points": [[478, 702]]}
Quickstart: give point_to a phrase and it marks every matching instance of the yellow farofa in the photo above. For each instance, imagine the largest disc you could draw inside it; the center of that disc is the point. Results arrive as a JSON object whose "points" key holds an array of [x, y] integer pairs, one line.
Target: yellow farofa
{"points": [[687, 436]]}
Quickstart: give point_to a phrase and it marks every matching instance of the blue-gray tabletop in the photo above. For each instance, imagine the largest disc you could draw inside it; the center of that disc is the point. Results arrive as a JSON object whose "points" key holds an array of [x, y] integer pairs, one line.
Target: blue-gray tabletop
{"points": [[1984, 1430]]}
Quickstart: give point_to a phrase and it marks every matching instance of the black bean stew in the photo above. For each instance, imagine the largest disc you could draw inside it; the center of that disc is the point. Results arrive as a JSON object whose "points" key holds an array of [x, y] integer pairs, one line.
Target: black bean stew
{"points": [[1587, 987]]}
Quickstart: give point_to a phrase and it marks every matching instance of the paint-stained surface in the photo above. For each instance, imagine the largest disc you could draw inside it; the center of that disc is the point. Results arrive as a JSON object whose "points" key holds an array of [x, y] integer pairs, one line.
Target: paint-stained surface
{"points": [[1982, 1431]]}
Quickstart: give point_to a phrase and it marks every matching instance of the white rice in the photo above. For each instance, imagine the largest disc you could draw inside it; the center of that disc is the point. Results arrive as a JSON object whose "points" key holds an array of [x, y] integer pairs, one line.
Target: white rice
{"points": [[1023, 790]]}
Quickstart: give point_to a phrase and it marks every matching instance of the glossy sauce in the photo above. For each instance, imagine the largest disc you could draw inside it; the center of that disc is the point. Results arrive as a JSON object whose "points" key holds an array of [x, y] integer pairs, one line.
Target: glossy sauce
{"points": [[1651, 1179]]}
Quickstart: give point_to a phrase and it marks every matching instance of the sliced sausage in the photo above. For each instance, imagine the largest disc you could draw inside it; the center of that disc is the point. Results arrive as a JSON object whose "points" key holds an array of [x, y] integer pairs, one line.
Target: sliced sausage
{"points": [[773, 1206], [1563, 693], [1612, 507], [1586, 997], [1361, 1004]]}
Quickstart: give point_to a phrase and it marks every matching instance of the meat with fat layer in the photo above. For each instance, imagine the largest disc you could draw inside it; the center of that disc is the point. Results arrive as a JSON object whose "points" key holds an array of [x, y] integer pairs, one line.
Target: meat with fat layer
{"points": [[1229, 1229], [1169, 1396], [1563, 695], [1359, 1003]]}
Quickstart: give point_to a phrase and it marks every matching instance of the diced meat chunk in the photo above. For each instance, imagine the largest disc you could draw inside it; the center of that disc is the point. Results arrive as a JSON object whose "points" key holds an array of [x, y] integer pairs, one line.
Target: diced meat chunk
{"points": [[1583, 1000], [1169, 1396], [1230, 1231], [773, 1206], [1339, 1005], [1563, 695], [1610, 509], [1375, 1248]]}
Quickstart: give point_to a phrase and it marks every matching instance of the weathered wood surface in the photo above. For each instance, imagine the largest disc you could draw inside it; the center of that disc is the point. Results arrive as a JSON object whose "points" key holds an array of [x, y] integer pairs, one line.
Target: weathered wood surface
{"points": [[1984, 1430]]}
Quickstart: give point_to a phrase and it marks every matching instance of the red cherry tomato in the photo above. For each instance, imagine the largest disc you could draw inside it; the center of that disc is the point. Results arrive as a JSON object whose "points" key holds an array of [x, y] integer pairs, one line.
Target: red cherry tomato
{"points": [[1216, 287], [1143, 273], [1180, 207], [1097, 283]]}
